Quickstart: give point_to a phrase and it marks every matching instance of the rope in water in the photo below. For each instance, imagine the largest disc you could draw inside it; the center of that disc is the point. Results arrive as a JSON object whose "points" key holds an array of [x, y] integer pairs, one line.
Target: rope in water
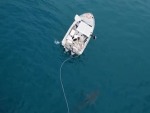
{"points": [[62, 82]]}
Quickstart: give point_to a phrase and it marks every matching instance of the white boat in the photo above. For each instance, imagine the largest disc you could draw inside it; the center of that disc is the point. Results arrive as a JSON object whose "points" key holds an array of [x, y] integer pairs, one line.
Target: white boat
{"points": [[79, 34]]}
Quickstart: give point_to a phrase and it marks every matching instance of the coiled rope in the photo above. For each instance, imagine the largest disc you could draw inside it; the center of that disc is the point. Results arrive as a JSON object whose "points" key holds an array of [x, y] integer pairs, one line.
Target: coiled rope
{"points": [[62, 82]]}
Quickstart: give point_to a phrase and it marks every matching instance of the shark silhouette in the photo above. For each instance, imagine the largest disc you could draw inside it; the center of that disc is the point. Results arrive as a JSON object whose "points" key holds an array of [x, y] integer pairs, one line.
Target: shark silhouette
{"points": [[89, 100]]}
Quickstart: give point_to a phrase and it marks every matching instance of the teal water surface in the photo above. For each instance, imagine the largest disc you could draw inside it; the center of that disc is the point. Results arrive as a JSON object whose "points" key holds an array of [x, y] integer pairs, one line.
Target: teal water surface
{"points": [[116, 64]]}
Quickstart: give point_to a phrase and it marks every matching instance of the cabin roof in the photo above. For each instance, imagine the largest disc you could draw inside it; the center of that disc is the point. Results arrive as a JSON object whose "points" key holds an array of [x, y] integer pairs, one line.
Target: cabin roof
{"points": [[84, 29]]}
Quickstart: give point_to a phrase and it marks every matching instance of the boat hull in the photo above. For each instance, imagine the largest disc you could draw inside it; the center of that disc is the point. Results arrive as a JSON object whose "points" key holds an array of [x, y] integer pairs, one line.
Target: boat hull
{"points": [[79, 34]]}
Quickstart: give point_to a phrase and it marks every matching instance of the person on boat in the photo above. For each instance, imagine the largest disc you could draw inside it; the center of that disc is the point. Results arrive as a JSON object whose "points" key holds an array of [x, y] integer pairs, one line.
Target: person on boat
{"points": [[93, 36], [76, 25]]}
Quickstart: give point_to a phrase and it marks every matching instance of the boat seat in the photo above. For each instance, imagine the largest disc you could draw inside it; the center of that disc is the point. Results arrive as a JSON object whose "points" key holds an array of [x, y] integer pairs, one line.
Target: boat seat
{"points": [[69, 39], [72, 32], [75, 49], [82, 38]]}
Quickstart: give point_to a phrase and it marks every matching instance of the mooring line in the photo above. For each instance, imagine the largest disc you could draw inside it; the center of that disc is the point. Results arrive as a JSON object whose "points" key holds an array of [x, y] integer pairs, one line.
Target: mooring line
{"points": [[62, 82]]}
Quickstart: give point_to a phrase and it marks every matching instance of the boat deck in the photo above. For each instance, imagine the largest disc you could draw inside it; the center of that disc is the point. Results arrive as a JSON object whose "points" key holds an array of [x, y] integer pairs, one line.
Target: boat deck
{"points": [[76, 39], [79, 34]]}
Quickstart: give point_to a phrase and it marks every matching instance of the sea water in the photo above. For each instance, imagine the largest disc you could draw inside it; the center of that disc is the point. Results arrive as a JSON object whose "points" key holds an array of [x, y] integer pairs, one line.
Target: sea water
{"points": [[117, 63]]}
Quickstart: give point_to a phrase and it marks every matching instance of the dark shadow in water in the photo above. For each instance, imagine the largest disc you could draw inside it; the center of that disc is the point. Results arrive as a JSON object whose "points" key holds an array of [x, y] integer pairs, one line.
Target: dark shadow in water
{"points": [[87, 101]]}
